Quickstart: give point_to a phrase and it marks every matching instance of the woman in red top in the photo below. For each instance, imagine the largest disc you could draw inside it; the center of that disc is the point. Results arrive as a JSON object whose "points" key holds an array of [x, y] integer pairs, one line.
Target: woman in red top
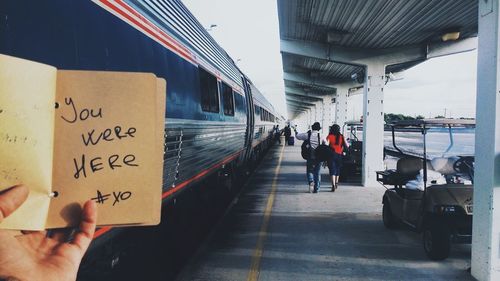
{"points": [[337, 143]]}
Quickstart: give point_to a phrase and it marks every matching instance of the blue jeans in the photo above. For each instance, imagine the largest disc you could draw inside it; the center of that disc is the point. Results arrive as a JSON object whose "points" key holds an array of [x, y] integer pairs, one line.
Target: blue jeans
{"points": [[334, 164], [313, 173]]}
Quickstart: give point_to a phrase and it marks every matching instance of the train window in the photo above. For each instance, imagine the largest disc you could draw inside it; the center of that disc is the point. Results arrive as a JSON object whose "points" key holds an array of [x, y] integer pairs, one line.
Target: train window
{"points": [[239, 103], [257, 111], [227, 99], [209, 93]]}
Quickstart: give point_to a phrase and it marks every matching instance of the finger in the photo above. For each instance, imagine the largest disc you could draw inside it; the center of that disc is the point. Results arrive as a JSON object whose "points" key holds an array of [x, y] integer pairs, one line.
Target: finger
{"points": [[11, 199], [85, 233], [40, 232]]}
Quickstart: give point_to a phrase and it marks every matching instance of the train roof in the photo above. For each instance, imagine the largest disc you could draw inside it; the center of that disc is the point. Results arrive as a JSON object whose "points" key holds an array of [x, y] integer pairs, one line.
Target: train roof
{"points": [[261, 99], [174, 16]]}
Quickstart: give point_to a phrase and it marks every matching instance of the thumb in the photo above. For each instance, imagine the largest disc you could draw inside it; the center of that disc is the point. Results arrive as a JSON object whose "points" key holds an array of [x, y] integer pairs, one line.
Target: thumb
{"points": [[11, 199]]}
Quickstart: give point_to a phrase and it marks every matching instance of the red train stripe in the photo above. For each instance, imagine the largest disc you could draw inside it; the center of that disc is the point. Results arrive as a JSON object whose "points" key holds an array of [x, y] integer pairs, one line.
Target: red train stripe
{"points": [[165, 39], [200, 175], [169, 42], [153, 26], [150, 24], [167, 193], [101, 231]]}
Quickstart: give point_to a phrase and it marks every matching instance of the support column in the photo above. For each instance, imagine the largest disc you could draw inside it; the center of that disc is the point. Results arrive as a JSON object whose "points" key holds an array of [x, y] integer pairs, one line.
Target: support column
{"points": [[485, 260], [301, 120], [311, 112], [313, 115], [329, 113], [319, 112], [373, 123], [341, 106], [324, 124]]}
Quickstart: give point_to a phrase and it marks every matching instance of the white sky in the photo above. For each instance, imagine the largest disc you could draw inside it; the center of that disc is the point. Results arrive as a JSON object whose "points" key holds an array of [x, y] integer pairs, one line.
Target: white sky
{"points": [[249, 32]]}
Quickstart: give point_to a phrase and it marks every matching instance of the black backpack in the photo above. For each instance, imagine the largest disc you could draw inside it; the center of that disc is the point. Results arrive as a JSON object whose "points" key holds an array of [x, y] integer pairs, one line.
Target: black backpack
{"points": [[322, 153], [305, 148]]}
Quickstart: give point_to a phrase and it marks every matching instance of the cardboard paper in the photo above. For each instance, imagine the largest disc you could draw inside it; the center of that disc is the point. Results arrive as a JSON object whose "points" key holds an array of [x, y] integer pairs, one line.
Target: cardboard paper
{"points": [[104, 141], [27, 91], [161, 101]]}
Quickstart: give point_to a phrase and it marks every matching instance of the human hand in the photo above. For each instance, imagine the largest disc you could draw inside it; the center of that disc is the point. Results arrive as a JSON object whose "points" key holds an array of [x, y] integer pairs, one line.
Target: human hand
{"points": [[34, 256]]}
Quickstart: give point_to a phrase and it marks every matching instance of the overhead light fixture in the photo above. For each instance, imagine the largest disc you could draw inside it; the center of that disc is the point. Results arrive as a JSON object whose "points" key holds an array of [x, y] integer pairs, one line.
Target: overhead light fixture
{"points": [[450, 36]]}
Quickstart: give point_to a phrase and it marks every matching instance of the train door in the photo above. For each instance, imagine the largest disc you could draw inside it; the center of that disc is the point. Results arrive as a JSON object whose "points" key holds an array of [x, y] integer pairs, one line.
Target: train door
{"points": [[250, 118]]}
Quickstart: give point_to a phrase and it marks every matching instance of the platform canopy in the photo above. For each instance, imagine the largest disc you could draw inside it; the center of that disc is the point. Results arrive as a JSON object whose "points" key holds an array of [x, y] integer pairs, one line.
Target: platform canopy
{"points": [[324, 43]]}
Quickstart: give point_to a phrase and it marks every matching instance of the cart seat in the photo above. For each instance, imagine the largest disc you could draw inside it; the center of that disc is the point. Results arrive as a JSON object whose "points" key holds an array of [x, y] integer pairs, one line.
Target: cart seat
{"points": [[407, 168]]}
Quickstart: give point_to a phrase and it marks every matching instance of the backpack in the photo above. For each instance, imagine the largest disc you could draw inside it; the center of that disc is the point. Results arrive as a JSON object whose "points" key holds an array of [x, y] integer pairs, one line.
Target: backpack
{"points": [[323, 153], [305, 148]]}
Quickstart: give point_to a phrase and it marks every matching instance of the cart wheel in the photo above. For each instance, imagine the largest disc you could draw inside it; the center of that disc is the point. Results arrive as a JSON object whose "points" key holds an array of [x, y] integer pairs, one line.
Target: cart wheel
{"points": [[437, 241], [390, 221]]}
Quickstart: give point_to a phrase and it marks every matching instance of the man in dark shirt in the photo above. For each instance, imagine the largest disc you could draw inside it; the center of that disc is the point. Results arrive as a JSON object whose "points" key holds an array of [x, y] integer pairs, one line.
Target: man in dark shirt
{"points": [[288, 133]]}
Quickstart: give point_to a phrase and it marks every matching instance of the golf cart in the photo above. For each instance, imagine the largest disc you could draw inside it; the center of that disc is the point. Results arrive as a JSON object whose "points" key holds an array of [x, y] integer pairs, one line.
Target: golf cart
{"points": [[353, 156], [431, 196]]}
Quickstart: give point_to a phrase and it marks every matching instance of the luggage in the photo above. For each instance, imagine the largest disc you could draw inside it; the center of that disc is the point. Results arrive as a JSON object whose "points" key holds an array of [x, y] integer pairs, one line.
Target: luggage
{"points": [[305, 148], [291, 140]]}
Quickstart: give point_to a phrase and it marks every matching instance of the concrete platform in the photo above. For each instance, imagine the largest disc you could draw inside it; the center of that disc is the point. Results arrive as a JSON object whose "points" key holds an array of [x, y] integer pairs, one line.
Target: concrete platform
{"points": [[285, 233]]}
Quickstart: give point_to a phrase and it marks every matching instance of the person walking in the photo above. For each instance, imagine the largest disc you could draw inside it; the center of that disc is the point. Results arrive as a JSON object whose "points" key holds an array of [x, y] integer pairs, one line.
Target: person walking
{"points": [[277, 134], [288, 133], [337, 143], [313, 166]]}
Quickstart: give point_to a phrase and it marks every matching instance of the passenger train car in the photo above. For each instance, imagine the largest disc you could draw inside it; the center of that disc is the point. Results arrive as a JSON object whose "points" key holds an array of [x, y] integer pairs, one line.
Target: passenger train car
{"points": [[216, 118]]}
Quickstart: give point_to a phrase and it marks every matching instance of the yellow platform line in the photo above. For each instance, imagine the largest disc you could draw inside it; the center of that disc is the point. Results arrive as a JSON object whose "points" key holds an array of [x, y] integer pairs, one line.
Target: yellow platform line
{"points": [[253, 274]]}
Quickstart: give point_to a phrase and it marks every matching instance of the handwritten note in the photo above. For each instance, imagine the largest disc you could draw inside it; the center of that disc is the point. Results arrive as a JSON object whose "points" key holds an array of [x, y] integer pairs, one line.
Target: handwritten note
{"points": [[73, 136], [27, 94], [106, 146]]}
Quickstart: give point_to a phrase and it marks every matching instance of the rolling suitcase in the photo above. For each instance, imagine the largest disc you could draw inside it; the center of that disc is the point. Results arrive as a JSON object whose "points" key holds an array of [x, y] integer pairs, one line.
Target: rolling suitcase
{"points": [[291, 140]]}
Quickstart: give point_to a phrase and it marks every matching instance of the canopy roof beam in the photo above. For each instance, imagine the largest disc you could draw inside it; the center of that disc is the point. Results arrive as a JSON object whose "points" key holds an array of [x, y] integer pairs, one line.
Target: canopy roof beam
{"points": [[299, 102], [306, 79], [304, 98], [302, 92], [389, 56]]}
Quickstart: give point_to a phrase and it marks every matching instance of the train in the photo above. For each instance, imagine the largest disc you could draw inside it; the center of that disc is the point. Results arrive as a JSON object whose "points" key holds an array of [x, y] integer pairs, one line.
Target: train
{"points": [[217, 122]]}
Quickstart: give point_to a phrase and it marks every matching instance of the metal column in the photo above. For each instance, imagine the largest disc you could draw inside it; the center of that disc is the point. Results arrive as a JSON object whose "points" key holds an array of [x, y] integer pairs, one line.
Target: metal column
{"points": [[329, 113], [486, 224], [323, 117], [341, 106], [373, 123]]}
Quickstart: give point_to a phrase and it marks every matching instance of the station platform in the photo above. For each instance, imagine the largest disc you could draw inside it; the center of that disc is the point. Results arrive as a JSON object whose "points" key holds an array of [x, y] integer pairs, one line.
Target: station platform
{"points": [[277, 230]]}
